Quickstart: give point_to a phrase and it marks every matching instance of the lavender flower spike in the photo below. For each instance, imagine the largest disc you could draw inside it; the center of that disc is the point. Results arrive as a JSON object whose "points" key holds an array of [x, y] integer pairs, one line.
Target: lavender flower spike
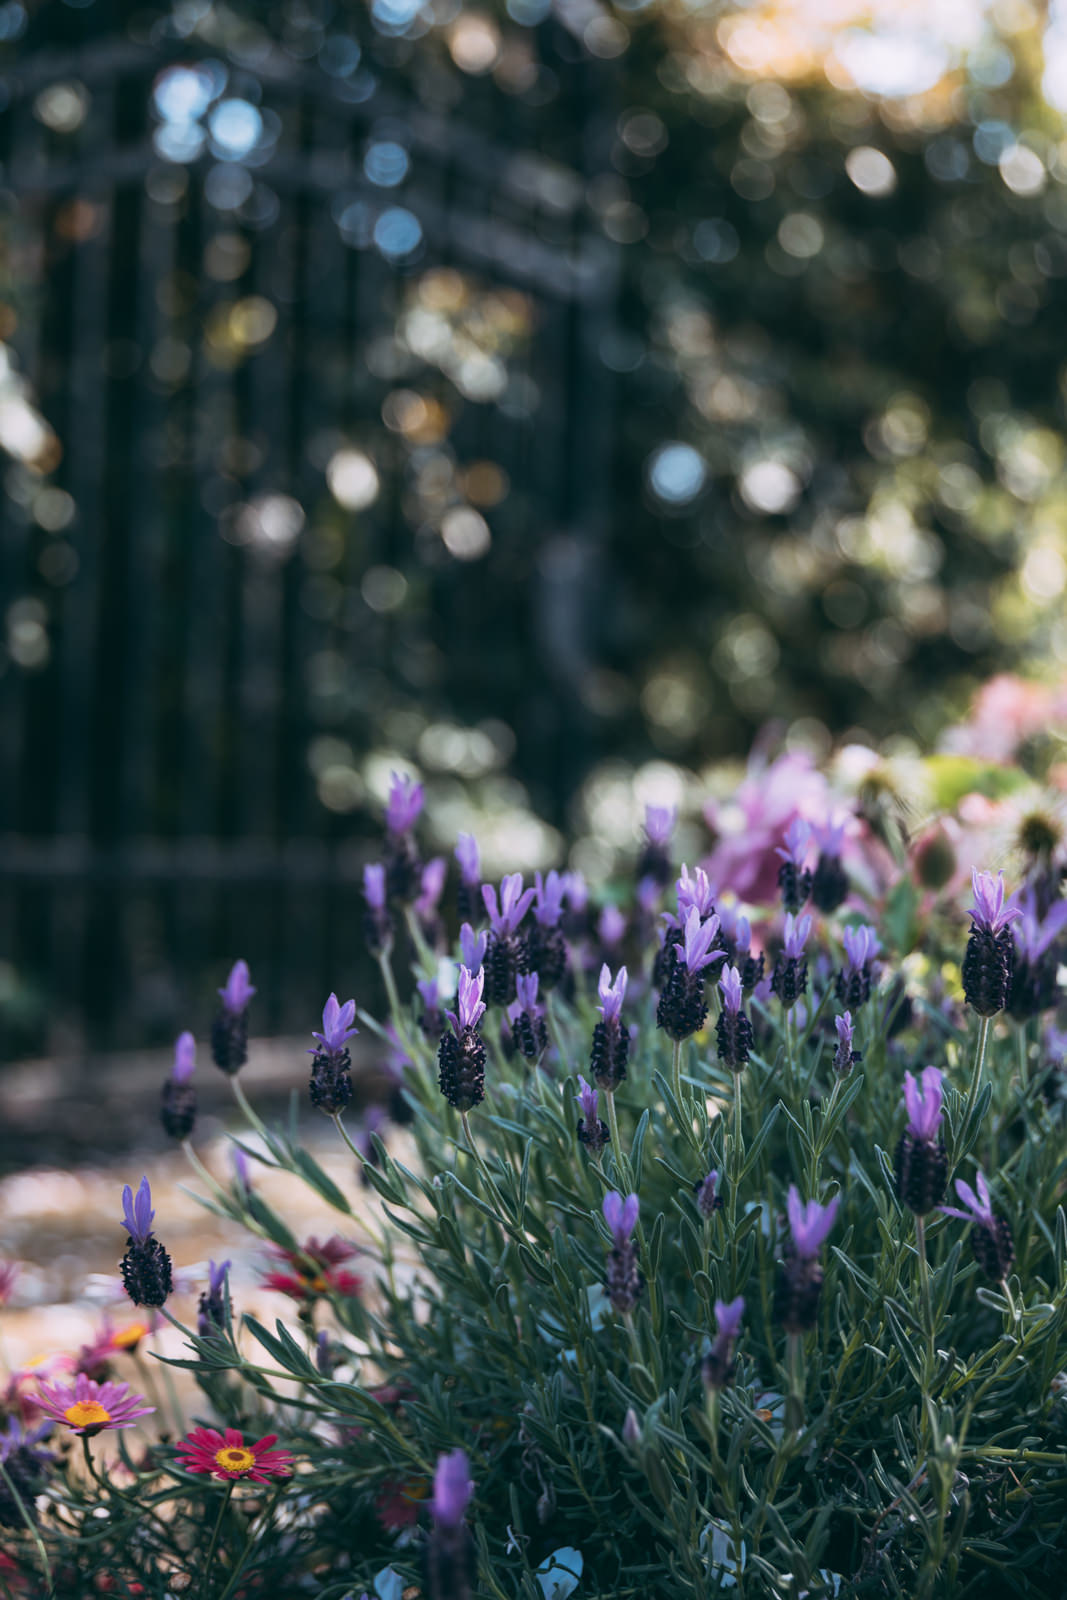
{"points": [[337, 1026], [137, 1214], [469, 1006], [922, 1099], [184, 1058], [452, 1489], [989, 912], [237, 990], [717, 1369], [699, 936], [472, 947], [991, 1240], [513, 906], [611, 994], [404, 805], [809, 1224], [730, 988], [621, 1216]]}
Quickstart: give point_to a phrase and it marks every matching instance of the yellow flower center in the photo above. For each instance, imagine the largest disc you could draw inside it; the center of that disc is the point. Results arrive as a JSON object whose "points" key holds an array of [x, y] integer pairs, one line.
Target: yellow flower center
{"points": [[129, 1338], [319, 1284], [234, 1460], [87, 1414]]}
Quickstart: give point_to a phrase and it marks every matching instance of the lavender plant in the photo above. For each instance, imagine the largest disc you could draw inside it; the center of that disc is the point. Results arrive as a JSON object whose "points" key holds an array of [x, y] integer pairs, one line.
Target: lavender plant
{"points": [[649, 1308]]}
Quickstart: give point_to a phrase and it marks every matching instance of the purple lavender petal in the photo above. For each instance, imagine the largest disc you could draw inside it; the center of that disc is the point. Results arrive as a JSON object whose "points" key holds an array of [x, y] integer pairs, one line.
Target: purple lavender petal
{"points": [[237, 990], [922, 1099], [550, 892], [468, 858], [611, 994], [730, 986], [796, 936], [472, 947], [374, 885], [337, 1026], [589, 1102], [404, 804], [526, 992], [184, 1058], [137, 1213], [797, 837], [728, 1317], [989, 911], [659, 824], [611, 926], [452, 1489], [431, 886]]}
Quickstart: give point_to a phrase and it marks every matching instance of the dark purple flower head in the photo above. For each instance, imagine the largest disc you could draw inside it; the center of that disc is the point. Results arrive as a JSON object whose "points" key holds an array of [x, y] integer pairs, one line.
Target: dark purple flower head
{"points": [[588, 1102], [237, 990], [469, 860], [611, 926], [621, 1216], [728, 1317], [979, 1206], [431, 886], [861, 946], [514, 904], [922, 1099], [796, 936], [611, 994], [810, 1224], [428, 988], [526, 985], [404, 805], [576, 892], [1033, 936], [699, 937], [989, 912], [730, 987], [469, 1007], [797, 839], [472, 947], [337, 1026], [137, 1214], [694, 892], [184, 1058], [452, 1489], [659, 824], [549, 892]]}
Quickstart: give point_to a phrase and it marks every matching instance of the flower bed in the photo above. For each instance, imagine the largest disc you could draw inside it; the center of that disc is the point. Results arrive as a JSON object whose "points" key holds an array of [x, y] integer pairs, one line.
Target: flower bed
{"points": [[740, 1253]]}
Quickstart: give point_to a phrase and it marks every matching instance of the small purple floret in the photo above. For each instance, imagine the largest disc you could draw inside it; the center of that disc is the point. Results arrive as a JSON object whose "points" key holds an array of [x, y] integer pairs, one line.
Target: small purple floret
{"points": [[404, 805], [237, 990], [730, 987], [137, 1214], [513, 906], [337, 1026], [979, 1206], [452, 1489], [469, 859], [796, 936], [611, 994], [184, 1058], [549, 892], [809, 1224], [699, 936], [472, 946], [989, 912], [922, 1100], [621, 1216], [588, 1102], [469, 1007], [728, 1317]]}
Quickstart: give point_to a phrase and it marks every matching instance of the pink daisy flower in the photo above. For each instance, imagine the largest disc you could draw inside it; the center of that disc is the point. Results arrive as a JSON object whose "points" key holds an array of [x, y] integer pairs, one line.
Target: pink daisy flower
{"points": [[227, 1456], [91, 1407]]}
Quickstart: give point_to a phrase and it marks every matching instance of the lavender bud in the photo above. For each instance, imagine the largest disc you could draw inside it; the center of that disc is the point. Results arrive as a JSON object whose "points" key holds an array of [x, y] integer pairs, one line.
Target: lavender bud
{"points": [[708, 1198]]}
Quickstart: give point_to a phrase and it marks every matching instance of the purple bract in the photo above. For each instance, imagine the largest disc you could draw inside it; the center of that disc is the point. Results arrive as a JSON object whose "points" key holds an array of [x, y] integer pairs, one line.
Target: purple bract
{"points": [[337, 1026], [699, 936], [549, 892], [452, 1489], [611, 994], [796, 936], [922, 1100], [730, 987], [989, 912], [979, 1206], [137, 1214], [184, 1058], [237, 990], [469, 859], [621, 1216], [469, 1006], [404, 804], [809, 1224], [472, 947], [513, 906]]}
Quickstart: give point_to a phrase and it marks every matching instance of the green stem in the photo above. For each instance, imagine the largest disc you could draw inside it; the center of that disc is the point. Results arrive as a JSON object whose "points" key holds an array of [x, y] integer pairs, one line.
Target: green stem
{"points": [[215, 1539], [256, 1527], [31, 1526], [491, 1190], [246, 1106], [925, 1295], [616, 1143], [794, 1400], [676, 1071], [1024, 1058], [977, 1070]]}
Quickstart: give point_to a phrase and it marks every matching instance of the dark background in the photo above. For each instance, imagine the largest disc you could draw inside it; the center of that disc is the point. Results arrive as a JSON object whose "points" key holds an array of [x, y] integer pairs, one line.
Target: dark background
{"points": [[537, 399]]}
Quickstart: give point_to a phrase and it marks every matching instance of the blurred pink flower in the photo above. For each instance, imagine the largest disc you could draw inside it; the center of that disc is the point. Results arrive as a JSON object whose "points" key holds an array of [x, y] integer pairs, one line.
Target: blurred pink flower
{"points": [[1006, 712], [752, 826]]}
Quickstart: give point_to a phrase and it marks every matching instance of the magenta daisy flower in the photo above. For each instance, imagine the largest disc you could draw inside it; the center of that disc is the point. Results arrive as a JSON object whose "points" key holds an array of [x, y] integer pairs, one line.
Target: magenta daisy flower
{"points": [[226, 1456], [90, 1407]]}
